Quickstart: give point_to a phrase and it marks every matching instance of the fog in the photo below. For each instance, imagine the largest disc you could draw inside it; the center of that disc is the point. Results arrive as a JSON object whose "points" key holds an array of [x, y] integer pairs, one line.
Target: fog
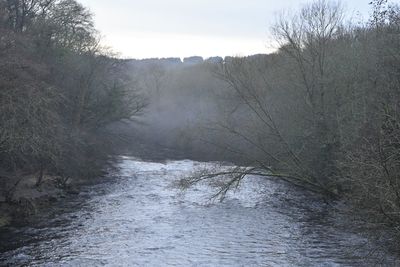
{"points": [[184, 102]]}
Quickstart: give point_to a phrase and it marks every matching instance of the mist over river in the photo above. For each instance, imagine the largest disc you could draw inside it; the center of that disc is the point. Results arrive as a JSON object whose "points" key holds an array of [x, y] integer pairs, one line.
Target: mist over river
{"points": [[137, 217]]}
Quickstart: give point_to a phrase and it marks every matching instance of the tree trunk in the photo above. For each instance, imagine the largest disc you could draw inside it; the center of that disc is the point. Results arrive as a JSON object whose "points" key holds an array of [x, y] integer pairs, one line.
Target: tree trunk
{"points": [[40, 177]]}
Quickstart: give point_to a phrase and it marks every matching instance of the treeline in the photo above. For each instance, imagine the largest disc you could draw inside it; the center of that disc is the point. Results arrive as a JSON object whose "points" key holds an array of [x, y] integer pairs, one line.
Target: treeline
{"points": [[322, 112], [59, 89]]}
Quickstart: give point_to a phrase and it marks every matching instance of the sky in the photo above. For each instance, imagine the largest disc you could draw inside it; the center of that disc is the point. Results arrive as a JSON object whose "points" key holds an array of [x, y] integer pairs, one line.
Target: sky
{"points": [[182, 28]]}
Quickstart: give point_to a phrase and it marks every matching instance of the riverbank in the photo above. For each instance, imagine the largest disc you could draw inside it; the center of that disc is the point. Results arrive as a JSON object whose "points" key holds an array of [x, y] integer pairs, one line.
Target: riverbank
{"points": [[29, 199]]}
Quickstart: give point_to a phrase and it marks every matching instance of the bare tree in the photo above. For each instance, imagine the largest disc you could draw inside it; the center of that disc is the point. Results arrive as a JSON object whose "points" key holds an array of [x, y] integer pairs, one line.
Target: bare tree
{"points": [[307, 38]]}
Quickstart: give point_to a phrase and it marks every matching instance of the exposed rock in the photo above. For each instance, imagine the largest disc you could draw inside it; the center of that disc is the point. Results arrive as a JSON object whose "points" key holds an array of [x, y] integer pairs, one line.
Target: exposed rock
{"points": [[5, 220]]}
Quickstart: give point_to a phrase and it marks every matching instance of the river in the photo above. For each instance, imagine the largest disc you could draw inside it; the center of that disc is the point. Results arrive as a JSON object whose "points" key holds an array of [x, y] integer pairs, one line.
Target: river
{"points": [[137, 217]]}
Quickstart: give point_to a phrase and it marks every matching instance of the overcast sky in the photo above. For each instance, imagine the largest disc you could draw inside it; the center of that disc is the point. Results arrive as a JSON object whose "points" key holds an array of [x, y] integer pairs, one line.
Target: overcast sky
{"points": [[180, 28]]}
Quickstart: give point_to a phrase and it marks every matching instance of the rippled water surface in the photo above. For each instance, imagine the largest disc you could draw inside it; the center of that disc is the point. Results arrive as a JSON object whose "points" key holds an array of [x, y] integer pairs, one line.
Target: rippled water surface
{"points": [[138, 218]]}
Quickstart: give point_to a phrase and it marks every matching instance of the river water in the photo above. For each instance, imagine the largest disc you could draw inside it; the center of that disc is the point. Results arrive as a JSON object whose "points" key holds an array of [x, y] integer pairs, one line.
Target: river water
{"points": [[137, 217]]}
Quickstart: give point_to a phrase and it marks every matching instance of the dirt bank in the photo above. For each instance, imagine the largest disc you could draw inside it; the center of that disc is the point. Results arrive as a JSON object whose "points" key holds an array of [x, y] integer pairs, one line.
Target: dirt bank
{"points": [[28, 198]]}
